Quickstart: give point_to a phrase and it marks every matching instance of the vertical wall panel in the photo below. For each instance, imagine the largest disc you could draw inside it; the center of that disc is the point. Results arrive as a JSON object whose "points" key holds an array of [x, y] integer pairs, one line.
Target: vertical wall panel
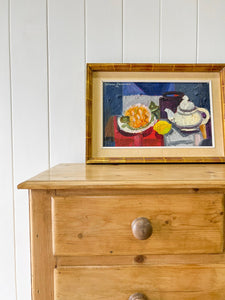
{"points": [[141, 31], [66, 81], [211, 31], [30, 117], [104, 30], [7, 273], [178, 31]]}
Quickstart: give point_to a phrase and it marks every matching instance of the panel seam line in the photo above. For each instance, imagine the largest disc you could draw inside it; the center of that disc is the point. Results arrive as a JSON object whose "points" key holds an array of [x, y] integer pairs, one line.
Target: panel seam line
{"points": [[12, 146], [197, 31], [122, 31], [48, 83], [160, 31], [85, 36]]}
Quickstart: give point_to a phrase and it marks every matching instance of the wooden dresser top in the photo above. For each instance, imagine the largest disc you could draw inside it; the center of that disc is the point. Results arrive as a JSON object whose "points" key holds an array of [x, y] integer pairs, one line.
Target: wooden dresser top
{"points": [[71, 176]]}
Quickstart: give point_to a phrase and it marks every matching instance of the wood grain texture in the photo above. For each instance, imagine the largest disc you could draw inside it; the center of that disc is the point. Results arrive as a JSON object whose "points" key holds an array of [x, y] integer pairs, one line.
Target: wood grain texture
{"points": [[107, 191], [102, 225], [42, 260], [116, 67], [222, 80], [158, 282], [83, 238], [151, 260], [74, 176], [144, 67], [156, 160], [88, 111]]}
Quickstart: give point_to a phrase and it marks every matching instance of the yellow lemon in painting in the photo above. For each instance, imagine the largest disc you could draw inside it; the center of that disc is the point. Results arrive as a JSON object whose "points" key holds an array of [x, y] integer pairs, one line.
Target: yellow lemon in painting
{"points": [[162, 127]]}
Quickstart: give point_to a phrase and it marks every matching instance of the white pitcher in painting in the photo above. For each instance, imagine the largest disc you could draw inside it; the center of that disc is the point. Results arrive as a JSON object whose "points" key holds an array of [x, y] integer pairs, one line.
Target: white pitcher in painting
{"points": [[188, 117]]}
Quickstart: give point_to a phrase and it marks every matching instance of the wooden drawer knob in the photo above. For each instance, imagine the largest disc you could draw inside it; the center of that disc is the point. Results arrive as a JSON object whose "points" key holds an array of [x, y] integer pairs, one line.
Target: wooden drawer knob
{"points": [[141, 228], [138, 296]]}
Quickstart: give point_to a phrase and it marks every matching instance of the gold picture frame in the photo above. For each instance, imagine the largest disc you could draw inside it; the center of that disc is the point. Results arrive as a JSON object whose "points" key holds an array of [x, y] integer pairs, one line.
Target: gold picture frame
{"points": [[196, 145]]}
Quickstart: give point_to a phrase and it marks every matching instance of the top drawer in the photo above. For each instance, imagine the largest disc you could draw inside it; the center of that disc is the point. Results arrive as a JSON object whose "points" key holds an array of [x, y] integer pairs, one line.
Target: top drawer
{"points": [[102, 225]]}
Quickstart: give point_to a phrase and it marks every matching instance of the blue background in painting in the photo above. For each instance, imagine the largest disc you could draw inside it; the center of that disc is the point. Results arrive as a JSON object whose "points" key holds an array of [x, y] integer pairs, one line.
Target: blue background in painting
{"points": [[114, 91]]}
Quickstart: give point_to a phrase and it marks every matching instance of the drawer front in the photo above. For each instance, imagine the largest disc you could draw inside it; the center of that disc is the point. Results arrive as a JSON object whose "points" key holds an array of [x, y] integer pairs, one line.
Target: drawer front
{"points": [[101, 225], [154, 283]]}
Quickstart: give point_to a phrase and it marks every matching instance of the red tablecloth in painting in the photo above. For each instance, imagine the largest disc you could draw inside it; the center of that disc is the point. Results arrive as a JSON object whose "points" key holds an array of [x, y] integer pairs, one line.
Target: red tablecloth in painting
{"points": [[147, 138]]}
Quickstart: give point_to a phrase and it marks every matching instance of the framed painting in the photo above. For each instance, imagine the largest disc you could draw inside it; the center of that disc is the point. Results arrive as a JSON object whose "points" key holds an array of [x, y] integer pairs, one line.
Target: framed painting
{"points": [[155, 113]]}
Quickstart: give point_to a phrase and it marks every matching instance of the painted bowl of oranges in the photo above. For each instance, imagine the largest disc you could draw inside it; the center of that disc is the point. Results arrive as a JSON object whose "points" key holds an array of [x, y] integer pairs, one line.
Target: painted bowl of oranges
{"points": [[136, 119]]}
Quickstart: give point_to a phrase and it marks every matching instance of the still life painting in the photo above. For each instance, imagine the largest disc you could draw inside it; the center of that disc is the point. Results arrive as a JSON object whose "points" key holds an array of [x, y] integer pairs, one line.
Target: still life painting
{"points": [[157, 114]]}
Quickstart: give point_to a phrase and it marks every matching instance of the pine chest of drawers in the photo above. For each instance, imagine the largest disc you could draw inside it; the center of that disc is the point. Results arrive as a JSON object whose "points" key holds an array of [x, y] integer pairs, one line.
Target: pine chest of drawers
{"points": [[119, 232]]}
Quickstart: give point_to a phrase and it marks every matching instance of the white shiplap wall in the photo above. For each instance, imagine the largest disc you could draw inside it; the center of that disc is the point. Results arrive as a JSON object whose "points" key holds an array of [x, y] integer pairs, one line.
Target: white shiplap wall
{"points": [[29, 87], [141, 25], [7, 251], [45, 45], [66, 62]]}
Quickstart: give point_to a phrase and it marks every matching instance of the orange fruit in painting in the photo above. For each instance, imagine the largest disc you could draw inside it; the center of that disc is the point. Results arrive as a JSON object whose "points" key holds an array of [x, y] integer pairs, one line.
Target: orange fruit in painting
{"points": [[140, 116]]}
